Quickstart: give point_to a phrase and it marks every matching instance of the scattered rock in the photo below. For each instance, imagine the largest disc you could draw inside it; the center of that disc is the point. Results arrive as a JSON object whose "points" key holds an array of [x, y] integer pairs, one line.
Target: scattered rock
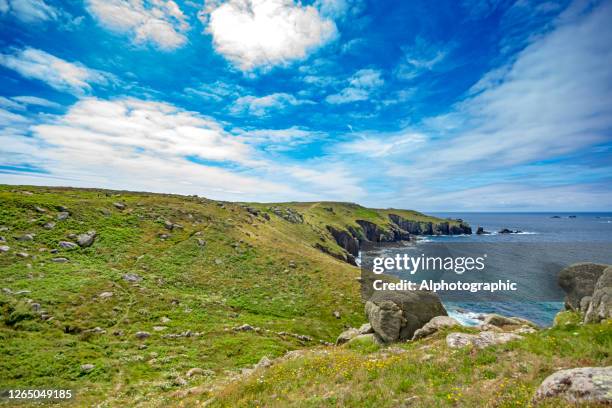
{"points": [[87, 367], [347, 335], [159, 328], [481, 231], [4, 248], [263, 363], [2, 239], [192, 372], [178, 381], [132, 277], [164, 320], [62, 216], [40, 209], [119, 206], [60, 260], [397, 315], [105, 295], [68, 245], [96, 330], [578, 385], [480, 340], [435, 324], [141, 335], [49, 225], [168, 225], [336, 314], [22, 254], [201, 242], [600, 306], [25, 237], [508, 231], [35, 307], [578, 280], [494, 319], [244, 327], [87, 239]]}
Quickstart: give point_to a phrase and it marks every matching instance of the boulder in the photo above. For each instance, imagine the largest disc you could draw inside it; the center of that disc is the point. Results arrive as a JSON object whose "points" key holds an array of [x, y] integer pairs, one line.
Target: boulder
{"points": [[346, 336], [578, 280], [600, 306], [198, 371], [85, 240], [141, 335], [62, 216], [119, 206], [68, 245], [87, 367], [480, 340], [494, 319], [435, 324], [132, 277], [591, 385], [4, 248], [397, 315], [365, 328]]}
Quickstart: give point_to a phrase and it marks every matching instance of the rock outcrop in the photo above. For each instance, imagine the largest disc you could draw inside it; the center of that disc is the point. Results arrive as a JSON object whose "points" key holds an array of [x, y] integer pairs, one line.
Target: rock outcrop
{"points": [[578, 280], [395, 316], [434, 325], [578, 386], [600, 303], [480, 340]]}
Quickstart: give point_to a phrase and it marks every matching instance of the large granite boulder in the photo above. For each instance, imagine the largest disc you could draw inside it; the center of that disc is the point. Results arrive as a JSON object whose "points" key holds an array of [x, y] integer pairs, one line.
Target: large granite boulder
{"points": [[591, 385], [395, 316], [600, 305], [578, 280]]}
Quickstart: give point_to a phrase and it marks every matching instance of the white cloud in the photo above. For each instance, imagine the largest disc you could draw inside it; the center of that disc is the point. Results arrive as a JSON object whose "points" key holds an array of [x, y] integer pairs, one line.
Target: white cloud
{"points": [[131, 125], [383, 146], [216, 91], [152, 146], [10, 104], [36, 101], [29, 11], [160, 22], [62, 75], [265, 33], [421, 57], [261, 106], [280, 139], [359, 88]]}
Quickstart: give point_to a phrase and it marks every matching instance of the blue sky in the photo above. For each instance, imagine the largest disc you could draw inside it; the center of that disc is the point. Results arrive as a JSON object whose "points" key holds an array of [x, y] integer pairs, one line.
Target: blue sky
{"points": [[450, 106]]}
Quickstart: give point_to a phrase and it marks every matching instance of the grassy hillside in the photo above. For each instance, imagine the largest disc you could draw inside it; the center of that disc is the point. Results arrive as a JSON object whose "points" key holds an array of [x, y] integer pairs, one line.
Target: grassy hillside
{"points": [[423, 373], [190, 287]]}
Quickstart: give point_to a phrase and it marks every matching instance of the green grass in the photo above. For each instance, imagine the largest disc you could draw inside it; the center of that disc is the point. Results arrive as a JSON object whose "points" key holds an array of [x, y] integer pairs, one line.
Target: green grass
{"points": [[425, 373], [266, 273]]}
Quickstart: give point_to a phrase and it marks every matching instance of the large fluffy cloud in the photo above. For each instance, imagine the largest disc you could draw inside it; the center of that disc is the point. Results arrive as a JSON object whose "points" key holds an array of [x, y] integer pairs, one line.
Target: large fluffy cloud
{"points": [[129, 143], [264, 33], [60, 74], [160, 22]]}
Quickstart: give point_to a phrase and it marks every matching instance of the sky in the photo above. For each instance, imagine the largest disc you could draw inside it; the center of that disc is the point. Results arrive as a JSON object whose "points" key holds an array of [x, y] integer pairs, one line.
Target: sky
{"points": [[459, 105]]}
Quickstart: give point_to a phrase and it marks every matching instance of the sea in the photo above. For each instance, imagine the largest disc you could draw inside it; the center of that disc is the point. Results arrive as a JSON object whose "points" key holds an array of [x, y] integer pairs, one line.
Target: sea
{"points": [[541, 241]]}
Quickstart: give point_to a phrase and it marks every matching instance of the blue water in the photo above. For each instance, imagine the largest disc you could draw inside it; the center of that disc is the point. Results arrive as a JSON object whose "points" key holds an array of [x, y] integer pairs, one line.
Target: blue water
{"points": [[538, 228]]}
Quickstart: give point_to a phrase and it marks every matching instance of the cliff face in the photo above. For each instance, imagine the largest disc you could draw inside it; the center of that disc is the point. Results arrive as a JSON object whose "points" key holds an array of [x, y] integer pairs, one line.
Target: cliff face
{"points": [[398, 229]]}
